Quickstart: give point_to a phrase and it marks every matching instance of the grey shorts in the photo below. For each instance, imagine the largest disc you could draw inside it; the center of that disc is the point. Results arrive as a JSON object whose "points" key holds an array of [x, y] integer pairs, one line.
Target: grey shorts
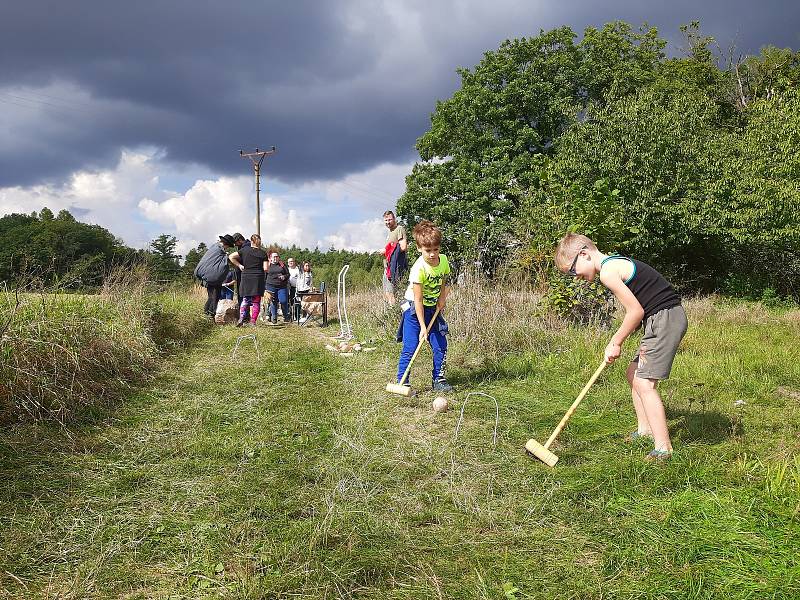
{"points": [[387, 285], [663, 333]]}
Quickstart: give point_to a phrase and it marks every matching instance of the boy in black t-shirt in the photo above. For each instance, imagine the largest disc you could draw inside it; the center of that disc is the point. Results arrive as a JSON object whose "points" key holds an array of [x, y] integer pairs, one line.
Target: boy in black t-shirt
{"points": [[649, 299]]}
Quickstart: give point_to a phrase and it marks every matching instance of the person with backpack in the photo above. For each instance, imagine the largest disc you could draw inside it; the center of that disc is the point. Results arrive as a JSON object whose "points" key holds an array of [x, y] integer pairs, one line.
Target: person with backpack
{"points": [[212, 270]]}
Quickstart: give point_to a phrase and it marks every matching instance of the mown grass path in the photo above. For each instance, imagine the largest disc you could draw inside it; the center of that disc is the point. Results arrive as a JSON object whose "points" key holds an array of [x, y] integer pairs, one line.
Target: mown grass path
{"points": [[297, 476]]}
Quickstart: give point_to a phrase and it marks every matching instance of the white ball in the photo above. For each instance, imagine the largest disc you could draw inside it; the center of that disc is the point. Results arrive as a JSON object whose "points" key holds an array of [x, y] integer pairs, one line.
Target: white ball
{"points": [[440, 404]]}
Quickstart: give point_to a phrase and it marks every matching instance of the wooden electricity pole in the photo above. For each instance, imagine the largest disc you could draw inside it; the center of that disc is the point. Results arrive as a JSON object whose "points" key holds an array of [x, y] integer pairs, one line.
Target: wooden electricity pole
{"points": [[257, 158]]}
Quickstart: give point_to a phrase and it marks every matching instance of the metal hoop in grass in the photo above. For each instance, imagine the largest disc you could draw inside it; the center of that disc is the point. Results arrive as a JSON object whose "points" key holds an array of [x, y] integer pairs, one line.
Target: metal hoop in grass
{"points": [[496, 417], [250, 336]]}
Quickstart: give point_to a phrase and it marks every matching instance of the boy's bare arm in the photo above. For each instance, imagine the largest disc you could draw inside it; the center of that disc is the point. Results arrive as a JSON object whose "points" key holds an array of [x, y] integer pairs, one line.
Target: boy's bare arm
{"points": [[633, 312], [443, 296]]}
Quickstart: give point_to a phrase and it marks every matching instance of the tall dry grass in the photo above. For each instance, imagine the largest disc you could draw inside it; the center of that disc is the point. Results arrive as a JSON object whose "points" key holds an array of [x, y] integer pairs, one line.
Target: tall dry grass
{"points": [[60, 352], [492, 321], [487, 321]]}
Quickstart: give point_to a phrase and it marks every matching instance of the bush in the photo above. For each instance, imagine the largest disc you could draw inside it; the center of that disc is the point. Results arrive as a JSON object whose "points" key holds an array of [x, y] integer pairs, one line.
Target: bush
{"points": [[60, 352], [579, 301]]}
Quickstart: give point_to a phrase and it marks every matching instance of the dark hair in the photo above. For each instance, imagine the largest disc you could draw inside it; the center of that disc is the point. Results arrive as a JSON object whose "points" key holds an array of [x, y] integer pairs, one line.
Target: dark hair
{"points": [[238, 237]]}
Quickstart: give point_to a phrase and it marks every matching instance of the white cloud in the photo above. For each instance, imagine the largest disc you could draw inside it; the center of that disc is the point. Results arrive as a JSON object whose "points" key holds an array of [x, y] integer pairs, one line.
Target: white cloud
{"points": [[214, 207], [131, 202], [376, 189], [106, 198], [366, 236]]}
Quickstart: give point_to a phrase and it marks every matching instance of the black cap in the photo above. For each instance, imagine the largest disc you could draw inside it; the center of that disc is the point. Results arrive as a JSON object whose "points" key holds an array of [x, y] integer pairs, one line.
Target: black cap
{"points": [[227, 239]]}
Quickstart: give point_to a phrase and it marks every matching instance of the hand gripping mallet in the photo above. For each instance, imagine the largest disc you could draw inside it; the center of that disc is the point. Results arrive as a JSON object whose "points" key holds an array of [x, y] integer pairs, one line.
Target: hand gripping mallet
{"points": [[541, 451], [401, 388]]}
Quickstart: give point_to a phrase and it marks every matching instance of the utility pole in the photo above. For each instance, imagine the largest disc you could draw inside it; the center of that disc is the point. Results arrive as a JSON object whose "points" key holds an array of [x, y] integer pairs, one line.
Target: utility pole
{"points": [[257, 158]]}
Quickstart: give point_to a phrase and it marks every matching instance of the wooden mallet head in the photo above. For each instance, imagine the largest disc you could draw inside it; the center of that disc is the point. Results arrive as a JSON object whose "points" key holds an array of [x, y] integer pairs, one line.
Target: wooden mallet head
{"points": [[541, 452], [400, 389]]}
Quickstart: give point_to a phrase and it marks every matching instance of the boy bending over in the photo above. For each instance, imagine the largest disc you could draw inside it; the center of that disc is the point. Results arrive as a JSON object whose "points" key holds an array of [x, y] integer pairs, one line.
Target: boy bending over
{"points": [[427, 290], [649, 300]]}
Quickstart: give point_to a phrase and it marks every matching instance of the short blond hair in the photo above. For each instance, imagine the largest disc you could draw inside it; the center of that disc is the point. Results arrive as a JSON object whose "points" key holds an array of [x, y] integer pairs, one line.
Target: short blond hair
{"points": [[427, 235], [569, 247]]}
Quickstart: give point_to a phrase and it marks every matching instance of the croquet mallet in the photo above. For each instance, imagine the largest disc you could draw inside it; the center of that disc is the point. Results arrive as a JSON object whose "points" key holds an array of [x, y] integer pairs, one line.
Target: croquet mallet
{"points": [[541, 451], [401, 388]]}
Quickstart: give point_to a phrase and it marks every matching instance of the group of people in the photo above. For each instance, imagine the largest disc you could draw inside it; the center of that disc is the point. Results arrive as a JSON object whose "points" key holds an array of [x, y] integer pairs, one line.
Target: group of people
{"points": [[254, 273], [649, 300]]}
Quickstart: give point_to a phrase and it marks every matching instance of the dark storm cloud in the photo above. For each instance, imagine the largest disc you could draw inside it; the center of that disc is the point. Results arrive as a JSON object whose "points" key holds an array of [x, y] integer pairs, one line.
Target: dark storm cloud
{"points": [[338, 87]]}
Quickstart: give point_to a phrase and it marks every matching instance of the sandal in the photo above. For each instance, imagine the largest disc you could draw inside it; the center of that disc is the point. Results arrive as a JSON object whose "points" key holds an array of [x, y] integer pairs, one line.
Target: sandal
{"points": [[658, 455]]}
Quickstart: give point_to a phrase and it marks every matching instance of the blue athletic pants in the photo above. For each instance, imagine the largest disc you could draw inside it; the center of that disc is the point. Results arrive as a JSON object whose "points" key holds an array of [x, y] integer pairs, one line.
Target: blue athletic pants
{"points": [[437, 337]]}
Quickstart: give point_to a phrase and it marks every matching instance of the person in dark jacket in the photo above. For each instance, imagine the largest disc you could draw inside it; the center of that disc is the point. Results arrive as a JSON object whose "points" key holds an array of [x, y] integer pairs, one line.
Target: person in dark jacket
{"points": [[228, 285], [277, 284], [251, 262], [211, 271]]}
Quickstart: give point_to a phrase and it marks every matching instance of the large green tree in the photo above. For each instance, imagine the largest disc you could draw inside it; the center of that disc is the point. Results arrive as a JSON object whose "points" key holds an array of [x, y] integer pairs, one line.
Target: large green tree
{"points": [[685, 162], [485, 146], [55, 249]]}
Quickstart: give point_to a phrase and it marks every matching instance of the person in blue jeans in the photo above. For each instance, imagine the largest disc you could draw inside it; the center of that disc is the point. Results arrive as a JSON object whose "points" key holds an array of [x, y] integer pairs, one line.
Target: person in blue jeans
{"points": [[227, 286], [427, 291], [276, 284]]}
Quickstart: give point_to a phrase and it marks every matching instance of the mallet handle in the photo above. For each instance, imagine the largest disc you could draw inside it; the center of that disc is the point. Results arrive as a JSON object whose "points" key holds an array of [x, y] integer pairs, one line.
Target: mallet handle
{"points": [[572, 408], [419, 346]]}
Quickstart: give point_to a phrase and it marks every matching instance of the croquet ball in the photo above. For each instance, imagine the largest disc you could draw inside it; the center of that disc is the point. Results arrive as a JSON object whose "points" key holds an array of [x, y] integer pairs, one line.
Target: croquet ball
{"points": [[440, 404], [357, 347]]}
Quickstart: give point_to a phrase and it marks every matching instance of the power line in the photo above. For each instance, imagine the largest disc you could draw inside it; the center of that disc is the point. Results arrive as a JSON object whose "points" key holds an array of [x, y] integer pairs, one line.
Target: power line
{"points": [[374, 187], [43, 104]]}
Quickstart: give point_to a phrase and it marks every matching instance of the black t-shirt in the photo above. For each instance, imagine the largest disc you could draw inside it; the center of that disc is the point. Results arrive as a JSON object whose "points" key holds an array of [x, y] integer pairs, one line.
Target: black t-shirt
{"points": [[649, 287], [252, 259]]}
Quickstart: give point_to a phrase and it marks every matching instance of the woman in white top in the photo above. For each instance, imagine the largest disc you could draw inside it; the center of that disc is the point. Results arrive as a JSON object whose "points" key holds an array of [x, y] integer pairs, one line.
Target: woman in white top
{"points": [[304, 285]]}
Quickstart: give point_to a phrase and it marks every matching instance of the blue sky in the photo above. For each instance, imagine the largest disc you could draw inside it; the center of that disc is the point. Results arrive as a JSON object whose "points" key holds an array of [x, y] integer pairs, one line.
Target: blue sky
{"points": [[132, 115]]}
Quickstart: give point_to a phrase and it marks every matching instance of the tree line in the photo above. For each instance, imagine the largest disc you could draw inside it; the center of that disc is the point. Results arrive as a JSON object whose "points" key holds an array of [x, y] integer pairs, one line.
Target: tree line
{"points": [[59, 250], [691, 163]]}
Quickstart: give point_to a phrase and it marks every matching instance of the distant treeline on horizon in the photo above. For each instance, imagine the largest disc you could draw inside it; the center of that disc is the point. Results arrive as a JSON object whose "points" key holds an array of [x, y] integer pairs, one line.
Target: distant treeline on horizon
{"points": [[46, 249]]}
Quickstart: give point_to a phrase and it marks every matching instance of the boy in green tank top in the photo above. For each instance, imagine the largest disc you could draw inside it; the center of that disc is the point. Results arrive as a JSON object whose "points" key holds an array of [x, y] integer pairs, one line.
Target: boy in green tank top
{"points": [[650, 301]]}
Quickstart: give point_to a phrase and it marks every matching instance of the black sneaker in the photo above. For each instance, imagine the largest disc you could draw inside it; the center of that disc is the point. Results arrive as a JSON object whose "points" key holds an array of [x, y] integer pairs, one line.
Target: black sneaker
{"points": [[442, 386]]}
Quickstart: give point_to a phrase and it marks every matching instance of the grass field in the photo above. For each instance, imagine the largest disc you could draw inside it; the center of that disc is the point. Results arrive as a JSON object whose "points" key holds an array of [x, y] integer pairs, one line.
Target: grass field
{"points": [[294, 475]]}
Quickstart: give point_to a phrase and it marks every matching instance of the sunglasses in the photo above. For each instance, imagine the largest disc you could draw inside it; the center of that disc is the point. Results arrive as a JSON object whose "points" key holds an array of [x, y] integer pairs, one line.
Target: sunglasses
{"points": [[575, 262]]}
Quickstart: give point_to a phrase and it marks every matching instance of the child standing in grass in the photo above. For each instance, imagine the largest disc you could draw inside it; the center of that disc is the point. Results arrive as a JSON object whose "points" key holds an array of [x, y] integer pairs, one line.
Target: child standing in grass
{"points": [[427, 290], [649, 300]]}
